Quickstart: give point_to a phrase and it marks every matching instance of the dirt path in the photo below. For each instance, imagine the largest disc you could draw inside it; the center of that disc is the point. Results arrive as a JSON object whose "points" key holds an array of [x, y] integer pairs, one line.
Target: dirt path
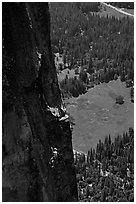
{"points": [[117, 9]]}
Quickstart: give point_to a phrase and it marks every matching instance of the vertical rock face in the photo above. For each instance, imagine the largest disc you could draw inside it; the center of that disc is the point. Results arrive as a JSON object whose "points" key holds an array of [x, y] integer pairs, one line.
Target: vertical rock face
{"points": [[49, 165]]}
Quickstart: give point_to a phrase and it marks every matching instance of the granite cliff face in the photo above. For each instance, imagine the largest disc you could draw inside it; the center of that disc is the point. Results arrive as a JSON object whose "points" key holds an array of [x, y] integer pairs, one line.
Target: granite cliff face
{"points": [[38, 160]]}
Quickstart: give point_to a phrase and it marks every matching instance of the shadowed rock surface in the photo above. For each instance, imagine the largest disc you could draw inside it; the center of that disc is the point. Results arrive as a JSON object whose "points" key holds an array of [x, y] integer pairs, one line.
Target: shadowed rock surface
{"points": [[38, 160]]}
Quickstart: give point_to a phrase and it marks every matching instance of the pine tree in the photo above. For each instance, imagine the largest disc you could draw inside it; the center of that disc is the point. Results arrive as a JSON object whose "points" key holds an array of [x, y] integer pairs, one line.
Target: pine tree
{"points": [[90, 68]]}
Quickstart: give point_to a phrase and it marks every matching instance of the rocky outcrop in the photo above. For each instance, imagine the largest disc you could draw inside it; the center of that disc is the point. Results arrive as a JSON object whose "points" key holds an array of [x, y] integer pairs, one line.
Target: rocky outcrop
{"points": [[48, 171]]}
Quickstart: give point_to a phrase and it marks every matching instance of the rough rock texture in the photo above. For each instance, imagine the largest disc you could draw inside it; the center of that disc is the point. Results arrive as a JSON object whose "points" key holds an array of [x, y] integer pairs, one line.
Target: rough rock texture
{"points": [[42, 167]]}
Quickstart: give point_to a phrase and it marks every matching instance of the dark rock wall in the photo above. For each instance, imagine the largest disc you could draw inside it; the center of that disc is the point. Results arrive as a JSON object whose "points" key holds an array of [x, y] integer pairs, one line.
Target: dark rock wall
{"points": [[41, 168]]}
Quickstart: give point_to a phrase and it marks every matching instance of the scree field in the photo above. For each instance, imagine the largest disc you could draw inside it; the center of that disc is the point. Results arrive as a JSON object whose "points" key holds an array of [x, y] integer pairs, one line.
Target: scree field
{"points": [[96, 114]]}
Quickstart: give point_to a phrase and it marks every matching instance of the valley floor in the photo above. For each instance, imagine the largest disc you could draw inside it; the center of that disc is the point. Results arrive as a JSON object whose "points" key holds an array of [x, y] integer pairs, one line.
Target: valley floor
{"points": [[96, 114]]}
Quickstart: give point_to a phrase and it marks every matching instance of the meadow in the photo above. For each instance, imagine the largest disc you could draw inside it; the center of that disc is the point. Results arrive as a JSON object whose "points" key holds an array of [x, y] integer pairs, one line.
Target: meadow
{"points": [[96, 114]]}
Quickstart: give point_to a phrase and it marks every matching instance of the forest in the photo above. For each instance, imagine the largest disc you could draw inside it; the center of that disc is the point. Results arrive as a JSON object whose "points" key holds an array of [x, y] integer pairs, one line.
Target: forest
{"points": [[102, 47], [74, 32], [106, 174]]}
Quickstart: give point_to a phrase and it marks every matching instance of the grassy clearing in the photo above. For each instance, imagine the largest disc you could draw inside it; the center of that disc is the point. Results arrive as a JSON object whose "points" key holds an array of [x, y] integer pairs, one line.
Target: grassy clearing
{"points": [[97, 115]]}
